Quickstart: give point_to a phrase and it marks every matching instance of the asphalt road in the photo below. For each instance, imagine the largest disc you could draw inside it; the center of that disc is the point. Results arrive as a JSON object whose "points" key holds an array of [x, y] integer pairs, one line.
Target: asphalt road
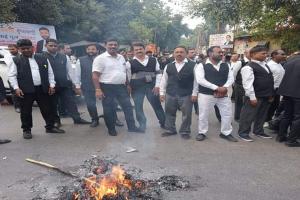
{"points": [[217, 169]]}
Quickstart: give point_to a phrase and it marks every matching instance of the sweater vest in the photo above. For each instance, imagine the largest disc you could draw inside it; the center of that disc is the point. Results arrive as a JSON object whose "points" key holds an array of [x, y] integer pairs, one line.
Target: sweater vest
{"points": [[180, 83], [24, 75], [59, 66], [263, 81], [86, 65], [214, 76]]}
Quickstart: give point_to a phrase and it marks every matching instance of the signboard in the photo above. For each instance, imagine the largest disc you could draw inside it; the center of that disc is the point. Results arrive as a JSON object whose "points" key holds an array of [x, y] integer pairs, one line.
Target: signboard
{"points": [[11, 33], [225, 41]]}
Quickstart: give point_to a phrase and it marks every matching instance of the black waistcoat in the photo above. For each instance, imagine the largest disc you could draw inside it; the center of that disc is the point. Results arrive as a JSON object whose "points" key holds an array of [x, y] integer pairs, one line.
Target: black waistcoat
{"points": [[86, 65], [24, 75], [59, 66], [263, 81], [181, 83], [136, 66], [214, 76]]}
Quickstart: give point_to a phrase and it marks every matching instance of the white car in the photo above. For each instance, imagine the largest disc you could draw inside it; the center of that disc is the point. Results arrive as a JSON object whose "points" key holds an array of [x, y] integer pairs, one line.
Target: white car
{"points": [[4, 54]]}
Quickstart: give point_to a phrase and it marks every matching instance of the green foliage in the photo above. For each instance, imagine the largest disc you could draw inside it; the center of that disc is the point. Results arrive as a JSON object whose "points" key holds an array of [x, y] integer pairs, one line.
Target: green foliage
{"points": [[96, 20], [262, 18]]}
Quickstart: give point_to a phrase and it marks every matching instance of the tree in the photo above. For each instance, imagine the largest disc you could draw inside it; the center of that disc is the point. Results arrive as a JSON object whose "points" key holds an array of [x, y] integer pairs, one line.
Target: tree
{"points": [[6, 11]]}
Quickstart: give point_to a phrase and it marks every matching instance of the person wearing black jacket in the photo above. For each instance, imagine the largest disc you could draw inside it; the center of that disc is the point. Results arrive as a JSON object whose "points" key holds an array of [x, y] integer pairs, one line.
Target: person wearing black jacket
{"points": [[3, 101], [289, 89], [62, 72], [84, 83], [32, 78], [258, 84]]}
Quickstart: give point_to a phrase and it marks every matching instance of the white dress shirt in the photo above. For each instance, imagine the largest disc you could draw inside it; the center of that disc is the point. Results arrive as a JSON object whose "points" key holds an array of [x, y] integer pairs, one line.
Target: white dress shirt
{"points": [[112, 69], [36, 77], [144, 63], [164, 79], [235, 67], [277, 71], [248, 78], [200, 76]]}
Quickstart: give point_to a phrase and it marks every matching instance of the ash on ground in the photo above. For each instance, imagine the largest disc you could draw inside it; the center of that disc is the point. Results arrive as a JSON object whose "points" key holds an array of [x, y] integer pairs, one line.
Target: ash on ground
{"points": [[74, 188]]}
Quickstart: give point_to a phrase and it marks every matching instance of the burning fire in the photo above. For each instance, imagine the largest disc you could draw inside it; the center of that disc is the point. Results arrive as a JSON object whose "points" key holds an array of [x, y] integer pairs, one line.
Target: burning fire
{"points": [[108, 186]]}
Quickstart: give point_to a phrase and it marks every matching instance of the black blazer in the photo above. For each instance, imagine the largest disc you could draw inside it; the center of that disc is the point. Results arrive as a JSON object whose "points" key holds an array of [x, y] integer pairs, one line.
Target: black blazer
{"points": [[291, 80], [39, 46]]}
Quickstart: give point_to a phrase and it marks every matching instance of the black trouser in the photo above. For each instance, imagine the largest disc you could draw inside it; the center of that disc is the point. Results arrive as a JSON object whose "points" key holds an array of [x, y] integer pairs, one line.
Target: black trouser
{"points": [[44, 103], [291, 117], [238, 100], [138, 95], [65, 94], [255, 114], [273, 107], [90, 100], [119, 92]]}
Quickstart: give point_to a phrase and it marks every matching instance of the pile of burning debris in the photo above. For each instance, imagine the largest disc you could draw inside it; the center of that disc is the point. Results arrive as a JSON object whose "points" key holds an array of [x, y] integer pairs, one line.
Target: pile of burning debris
{"points": [[102, 179]]}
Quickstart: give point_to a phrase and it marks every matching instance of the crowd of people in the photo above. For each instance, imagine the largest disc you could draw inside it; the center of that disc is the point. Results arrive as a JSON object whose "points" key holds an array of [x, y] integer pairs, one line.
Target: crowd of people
{"points": [[263, 89]]}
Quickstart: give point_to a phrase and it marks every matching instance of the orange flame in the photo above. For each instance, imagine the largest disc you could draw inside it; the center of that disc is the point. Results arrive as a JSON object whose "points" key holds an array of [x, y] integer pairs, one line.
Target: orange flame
{"points": [[109, 185]]}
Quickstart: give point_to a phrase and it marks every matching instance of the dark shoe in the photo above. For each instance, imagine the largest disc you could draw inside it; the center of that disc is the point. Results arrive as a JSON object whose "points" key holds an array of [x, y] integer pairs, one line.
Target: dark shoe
{"points": [[281, 138], [55, 130], [246, 138], [18, 110], [291, 143], [4, 141], [112, 132], [162, 126], [136, 130], [94, 123], [166, 134], [118, 123], [200, 137], [185, 136], [57, 124], [81, 121], [27, 135], [263, 135], [229, 137]]}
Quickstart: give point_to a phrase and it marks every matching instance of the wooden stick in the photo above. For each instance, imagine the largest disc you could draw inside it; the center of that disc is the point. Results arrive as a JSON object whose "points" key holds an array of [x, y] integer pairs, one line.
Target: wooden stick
{"points": [[44, 164]]}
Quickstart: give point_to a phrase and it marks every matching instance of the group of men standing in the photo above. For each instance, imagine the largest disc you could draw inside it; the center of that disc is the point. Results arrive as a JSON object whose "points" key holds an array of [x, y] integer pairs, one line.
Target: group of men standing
{"points": [[45, 77]]}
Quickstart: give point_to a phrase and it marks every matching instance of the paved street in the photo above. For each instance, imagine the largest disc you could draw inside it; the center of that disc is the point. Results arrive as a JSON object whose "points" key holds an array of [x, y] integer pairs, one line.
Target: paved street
{"points": [[217, 169]]}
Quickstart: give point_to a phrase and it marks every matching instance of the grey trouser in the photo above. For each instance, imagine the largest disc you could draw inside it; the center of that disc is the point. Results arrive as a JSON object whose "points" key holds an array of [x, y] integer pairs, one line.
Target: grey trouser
{"points": [[251, 114], [185, 105]]}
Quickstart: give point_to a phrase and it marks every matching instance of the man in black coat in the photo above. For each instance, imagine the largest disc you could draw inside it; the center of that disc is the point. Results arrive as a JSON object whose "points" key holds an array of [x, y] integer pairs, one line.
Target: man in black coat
{"points": [[289, 89], [45, 34], [3, 101], [32, 78]]}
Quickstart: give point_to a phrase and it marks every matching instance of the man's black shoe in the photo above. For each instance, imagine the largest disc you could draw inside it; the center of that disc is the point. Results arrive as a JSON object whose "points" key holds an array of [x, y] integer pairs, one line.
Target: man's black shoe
{"points": [[27, 135], [168, 133], [118, 123], [94, 123], [281, 138], [200, 137], [55, 130], [136, 130], [290, 143], [112, 132], [5, 141], [246, 138], [81, 121], [185, 136], [57, 124], [262, 135], [229, 137]]}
